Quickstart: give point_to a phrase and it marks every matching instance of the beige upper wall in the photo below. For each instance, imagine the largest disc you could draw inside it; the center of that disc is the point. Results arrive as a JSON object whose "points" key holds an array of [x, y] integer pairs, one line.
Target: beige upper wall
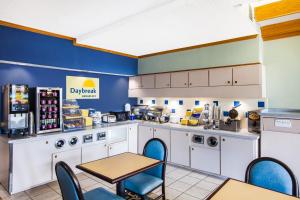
{"points": [[282, 62], [240, 52]]}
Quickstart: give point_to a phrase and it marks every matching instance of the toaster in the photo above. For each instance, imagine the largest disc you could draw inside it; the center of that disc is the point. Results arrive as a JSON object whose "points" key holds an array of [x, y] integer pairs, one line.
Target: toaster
{"points": [[109, 118]]}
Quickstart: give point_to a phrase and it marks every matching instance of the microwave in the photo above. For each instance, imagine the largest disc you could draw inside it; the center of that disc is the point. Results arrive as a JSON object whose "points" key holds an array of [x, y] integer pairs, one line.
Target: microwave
{"points": [[121, 115]]}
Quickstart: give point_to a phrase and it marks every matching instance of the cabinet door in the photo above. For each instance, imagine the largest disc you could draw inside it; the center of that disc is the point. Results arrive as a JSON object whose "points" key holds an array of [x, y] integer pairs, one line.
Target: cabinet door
{"points": [[179, 79], [132, 138], [220, 76], [180, 148], [247, 75], [94, 152], [147, 81], [236, 155], [205, 159], [71, 157], [145, 134], [164, 135], [162, 80], [134, 82], [117, 148], [32, 164], [198, 78]]}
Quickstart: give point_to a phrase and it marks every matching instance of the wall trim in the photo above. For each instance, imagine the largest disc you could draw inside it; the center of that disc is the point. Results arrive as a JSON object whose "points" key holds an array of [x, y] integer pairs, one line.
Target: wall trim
{"points": [[57, 68], [276, 9], [34, 30], [281, 30], [200, 46]]}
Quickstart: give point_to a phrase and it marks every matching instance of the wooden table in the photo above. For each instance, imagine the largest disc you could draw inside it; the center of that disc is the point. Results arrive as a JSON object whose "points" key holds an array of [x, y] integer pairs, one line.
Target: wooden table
{"points": [[237, 190], [116, 168]]}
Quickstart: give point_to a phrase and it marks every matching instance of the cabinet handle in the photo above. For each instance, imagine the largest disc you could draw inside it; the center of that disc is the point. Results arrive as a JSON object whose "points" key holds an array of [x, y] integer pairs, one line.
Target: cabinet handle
{"points": [[184, 83], [47, 142], [223, 139], [190, 83], [105, 145], [187, 134], [235, 81], [228, 82], [192, 149], [55, 156]]}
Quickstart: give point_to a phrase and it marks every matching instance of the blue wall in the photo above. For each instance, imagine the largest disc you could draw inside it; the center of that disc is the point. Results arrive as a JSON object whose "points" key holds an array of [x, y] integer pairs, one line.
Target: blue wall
{"points": [[22, 46]]}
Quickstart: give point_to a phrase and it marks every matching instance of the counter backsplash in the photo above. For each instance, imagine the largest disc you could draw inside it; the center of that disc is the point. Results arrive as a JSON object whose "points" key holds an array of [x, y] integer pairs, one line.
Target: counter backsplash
{"points": [[178, 106]]}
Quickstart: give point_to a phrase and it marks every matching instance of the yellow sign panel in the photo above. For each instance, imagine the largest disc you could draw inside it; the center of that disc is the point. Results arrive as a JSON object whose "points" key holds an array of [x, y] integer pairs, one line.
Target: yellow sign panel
{"points": [[82, 87]]}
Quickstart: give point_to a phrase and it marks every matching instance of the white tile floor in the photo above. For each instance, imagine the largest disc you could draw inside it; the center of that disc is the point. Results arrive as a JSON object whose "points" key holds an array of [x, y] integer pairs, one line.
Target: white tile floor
{"points": [[181, 184]]}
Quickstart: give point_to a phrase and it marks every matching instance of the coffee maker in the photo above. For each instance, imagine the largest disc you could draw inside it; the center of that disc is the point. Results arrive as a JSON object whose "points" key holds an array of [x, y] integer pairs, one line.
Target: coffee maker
{"points": [[16, 109]]}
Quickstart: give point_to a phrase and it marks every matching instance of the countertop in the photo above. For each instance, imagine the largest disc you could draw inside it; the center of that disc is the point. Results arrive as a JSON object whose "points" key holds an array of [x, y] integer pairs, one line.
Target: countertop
{"points": [[196, 129], [281, 113]]}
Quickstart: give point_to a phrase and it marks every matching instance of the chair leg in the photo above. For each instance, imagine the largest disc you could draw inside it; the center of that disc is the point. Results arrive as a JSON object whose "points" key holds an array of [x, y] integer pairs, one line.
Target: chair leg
{"points": [[163, 190]]}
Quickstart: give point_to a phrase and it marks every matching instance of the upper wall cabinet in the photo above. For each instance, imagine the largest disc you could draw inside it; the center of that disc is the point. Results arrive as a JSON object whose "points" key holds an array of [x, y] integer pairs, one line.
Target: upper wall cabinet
{"points": [[245, 81], [179, 79], [220, 76], [148, 81], [135, 82], [162, 80], [198, 78], [247, 75]]}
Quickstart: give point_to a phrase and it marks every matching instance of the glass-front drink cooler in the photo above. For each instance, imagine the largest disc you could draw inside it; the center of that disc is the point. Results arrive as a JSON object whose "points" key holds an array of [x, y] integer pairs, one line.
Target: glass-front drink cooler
{"points": [[48, 109]]}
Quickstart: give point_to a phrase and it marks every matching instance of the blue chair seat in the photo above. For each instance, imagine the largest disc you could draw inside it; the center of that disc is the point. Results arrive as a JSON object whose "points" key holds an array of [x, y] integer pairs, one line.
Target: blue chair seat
{"points": [[100, 193], [142, 183]]}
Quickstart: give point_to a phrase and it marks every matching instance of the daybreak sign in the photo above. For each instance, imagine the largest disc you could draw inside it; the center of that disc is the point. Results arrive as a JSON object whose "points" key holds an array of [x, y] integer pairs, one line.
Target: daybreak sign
{"points": [[82, 87]]}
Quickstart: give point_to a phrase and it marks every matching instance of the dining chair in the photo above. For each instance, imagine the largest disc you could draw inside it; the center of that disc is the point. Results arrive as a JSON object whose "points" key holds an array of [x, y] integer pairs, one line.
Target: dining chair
{"points": [[272, 174], [147, 181], [71, 190]]}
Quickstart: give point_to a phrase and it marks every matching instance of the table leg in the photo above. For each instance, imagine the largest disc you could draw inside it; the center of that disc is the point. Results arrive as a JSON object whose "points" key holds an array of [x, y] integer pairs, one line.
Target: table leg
{"points": [[121, 189]]}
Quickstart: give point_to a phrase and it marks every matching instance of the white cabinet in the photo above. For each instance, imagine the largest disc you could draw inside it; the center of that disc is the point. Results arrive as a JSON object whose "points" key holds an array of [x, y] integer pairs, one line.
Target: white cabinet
{"points": [[31, 164], [145, 134], [94, 152], [179, 79], [71, 157], [205, 159], [147, 81], [164, 135], [236, 155], [180, 148], [134, 82], [133, 138], [117, 148], [198, 78], [220, 76], [162, 80], [247, 75]]}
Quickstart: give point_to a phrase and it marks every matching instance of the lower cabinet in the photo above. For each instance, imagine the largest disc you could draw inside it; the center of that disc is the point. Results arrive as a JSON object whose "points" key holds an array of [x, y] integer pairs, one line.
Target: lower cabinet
{"points": [[164, 135], [94, 152], [180, 148], [205, 159], [133, 138], [71, 157], [145, 134], [31, 164], [236, 155], [117, 148]]}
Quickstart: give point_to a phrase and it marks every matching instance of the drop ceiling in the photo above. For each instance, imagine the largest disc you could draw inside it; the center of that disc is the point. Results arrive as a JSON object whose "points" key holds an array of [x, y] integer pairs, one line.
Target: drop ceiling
{"points": [[135, 27]]}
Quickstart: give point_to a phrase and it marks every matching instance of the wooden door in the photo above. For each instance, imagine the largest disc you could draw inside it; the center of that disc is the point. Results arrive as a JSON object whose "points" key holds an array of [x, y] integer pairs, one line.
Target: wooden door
{"points": [[162, 80], [220, 76], [247, 75], [179, 79], [198, 78]]}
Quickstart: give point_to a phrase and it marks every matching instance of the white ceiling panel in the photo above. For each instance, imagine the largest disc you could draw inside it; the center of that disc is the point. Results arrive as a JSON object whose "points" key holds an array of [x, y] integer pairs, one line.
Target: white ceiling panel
{"points": [[136, 27]]}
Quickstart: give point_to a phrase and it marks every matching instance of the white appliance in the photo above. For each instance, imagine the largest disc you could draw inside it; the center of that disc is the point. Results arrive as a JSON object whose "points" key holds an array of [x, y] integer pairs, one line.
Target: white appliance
{"points": [[205, 152], [280, 138]]}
